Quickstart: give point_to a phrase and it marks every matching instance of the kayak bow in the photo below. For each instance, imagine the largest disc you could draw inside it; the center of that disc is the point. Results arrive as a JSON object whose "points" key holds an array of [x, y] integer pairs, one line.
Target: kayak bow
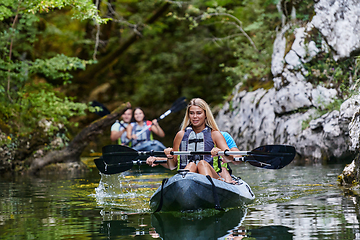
{"points": [[193, 191]]}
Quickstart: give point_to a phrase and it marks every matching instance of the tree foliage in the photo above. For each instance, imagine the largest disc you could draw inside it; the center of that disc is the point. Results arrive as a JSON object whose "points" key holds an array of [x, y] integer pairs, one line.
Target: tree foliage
{"points": [[26, 98]]}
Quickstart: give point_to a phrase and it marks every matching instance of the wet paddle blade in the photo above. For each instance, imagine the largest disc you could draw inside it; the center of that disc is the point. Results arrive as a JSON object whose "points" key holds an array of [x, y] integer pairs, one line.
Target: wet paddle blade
{"points": [[112, 168], [120, 154], [111, 158], [271, 156], [119, 167], [118, 148]]}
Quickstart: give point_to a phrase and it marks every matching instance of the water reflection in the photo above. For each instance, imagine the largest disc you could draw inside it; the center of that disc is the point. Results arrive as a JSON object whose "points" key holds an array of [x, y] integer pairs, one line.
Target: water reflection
{"points": [[271, 233], [115, 225], [203, 225], [209, 224], [119, 223]]}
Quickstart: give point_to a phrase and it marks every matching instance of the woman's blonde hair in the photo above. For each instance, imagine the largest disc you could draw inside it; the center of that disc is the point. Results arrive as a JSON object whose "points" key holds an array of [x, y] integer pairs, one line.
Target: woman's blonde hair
{"points": [[209, 120]]}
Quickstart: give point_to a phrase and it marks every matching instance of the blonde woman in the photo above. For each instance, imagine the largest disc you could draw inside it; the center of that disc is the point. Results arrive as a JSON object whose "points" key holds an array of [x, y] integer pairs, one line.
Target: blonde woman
{"points": [[199, 132]]}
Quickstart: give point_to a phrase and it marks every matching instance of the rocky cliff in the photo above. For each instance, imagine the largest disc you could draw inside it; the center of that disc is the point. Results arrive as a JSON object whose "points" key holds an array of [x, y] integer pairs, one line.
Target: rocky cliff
{"points": [[302, 109]]}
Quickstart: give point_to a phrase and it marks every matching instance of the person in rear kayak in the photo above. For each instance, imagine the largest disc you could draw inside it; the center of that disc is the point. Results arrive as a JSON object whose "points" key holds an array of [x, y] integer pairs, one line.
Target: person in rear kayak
{"points": [[140, 133], [199, 132], [118, 129]]}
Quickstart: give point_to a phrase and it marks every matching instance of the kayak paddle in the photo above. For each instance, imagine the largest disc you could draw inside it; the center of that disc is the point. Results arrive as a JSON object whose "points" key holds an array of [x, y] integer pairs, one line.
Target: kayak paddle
{"points": [[119, 158], [179, 104]]}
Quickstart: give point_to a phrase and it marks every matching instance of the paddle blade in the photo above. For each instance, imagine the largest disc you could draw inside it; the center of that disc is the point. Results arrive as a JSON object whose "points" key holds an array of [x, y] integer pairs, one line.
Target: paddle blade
{"points": [[179, 100], [103, 111], [179, 104], [118, 148], [271, 156], [112, 168], [119, 154], [119, 167]]}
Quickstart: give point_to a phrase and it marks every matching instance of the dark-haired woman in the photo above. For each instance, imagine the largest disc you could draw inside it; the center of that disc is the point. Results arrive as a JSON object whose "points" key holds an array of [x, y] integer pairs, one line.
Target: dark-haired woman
{"points": [[140, 132]]}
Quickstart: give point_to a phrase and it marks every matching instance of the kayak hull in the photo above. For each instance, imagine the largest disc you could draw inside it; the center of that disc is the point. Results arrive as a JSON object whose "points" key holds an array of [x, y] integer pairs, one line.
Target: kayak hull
{"points": [[193, 191]]}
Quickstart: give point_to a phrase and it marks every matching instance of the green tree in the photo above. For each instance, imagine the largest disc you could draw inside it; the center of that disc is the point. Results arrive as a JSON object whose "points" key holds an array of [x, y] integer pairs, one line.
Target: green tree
{"points": [[28, 98]]}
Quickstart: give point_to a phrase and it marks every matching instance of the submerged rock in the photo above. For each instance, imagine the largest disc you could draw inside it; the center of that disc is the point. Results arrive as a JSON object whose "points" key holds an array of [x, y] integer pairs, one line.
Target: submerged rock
{"points": [[348, 175]]}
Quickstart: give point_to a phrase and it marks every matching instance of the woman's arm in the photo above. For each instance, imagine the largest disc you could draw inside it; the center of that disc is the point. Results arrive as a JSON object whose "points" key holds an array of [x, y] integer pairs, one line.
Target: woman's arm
{"points": [[155, 127], [220, 142], [172, 159], [129, 131], [115, 135]]}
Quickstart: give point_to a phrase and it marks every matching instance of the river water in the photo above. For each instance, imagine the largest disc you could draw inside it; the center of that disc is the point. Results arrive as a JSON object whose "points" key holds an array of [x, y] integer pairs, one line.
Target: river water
{"points": [[296, 202]]}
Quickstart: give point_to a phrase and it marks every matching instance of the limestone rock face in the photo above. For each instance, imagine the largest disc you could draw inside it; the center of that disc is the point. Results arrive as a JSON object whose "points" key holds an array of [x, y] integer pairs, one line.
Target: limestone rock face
{"points": [[338, 23], [351, 110], [280, 117], [291, 111]]}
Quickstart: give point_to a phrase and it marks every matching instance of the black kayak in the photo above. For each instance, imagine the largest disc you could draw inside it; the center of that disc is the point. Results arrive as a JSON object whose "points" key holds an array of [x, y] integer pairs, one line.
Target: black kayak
{"points": [[192, 191]]}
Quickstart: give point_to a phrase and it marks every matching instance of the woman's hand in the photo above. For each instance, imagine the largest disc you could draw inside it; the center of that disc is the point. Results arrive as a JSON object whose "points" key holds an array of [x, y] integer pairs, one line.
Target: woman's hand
{"points": [[155, 127], [150, 161], [215, 151], [225, 159], [168, 151], [155, 122]]}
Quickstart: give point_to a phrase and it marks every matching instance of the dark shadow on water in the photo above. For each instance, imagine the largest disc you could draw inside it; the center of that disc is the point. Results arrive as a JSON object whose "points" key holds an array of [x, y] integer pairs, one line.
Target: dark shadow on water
{"points": [[209, 224], [116, 228], [176, 225], [223, 225], [270, 233]]}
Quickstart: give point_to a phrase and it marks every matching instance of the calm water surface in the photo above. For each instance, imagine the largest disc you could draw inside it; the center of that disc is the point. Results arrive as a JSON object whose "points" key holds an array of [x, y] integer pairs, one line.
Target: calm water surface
{"points": [[297, 202]]}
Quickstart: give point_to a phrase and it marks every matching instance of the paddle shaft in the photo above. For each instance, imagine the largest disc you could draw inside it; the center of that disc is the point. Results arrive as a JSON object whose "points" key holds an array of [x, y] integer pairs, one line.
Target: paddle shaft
{"points": [[134, 162], [228, 153], [220, 153], [237, 159], [141, 162]]}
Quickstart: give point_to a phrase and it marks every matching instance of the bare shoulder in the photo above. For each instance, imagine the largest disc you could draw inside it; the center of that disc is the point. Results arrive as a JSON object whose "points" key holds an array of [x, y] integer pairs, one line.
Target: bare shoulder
{"points": [[218, 139], [180, 134], [178, 139], [216, 134]]}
